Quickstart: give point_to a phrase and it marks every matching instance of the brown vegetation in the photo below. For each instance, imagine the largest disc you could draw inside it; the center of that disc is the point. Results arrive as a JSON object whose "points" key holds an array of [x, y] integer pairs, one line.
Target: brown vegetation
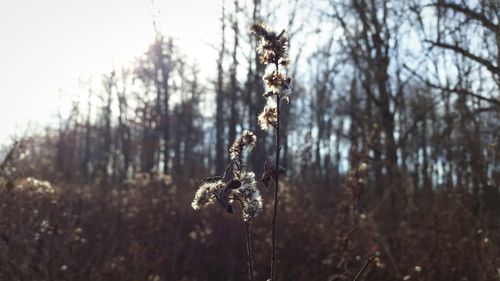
{"points": [[390, 143]]}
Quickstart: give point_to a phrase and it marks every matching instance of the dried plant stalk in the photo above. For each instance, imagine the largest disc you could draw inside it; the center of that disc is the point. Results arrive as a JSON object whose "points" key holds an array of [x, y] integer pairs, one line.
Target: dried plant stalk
{"points": [[273, 51]]}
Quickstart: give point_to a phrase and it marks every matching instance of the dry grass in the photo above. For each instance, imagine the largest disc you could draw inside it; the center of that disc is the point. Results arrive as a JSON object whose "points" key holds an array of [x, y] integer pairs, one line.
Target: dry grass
{"points": [[149, 232]]}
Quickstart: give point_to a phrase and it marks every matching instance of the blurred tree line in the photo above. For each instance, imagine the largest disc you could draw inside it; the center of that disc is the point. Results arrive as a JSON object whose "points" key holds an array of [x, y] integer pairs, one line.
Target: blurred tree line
{"points": [[415, 82]]}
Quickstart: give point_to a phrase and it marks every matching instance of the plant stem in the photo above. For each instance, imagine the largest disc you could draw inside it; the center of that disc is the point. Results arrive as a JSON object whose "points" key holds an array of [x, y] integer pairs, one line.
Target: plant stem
{"points": [[276, 188], [249, 250], [368, 261]]}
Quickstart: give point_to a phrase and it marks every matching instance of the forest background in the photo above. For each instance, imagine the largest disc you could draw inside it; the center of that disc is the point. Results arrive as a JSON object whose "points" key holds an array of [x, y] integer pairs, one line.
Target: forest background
{"points": [[408, 88]]}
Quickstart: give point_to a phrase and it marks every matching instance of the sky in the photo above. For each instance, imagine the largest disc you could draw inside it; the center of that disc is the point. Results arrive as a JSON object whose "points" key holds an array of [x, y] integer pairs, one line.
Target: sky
{"points": [[47, 47]]}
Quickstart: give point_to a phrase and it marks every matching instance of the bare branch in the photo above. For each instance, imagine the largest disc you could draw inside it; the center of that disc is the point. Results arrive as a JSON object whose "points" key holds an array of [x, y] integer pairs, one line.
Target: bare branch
{"points": [[468, 12], [486, 63]]}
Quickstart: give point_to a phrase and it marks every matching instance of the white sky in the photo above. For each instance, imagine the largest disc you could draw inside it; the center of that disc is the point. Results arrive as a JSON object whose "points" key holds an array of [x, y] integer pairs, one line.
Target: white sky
{"points": [[46, 46]]}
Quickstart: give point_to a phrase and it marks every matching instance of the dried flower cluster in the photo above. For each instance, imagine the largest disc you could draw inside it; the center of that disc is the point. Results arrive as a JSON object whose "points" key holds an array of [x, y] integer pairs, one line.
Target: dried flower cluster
{"points": [[246, 140], [273, 47], [249, 196], [206, 194], [277, 82], [273, 52], [241, 188], [269, 116]]}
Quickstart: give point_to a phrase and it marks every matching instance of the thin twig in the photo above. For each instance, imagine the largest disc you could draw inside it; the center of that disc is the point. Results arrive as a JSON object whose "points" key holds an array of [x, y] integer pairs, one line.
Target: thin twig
{"points": [[249, 250], [368, 261], [228, 168], [9, 155]]}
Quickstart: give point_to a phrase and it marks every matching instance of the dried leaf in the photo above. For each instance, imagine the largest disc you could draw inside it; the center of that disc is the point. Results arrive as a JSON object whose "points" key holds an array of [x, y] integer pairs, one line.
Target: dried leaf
{"points": [[233, 184], [270, 172], [266, 179], [268, 94], [209, 179], [223, 198]]}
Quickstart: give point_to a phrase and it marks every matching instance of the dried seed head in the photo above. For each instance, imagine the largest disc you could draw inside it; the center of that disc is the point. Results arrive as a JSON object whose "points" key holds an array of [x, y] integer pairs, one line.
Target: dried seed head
{"points": [[249, 196], [272, 48], [273, 51], [278, 84], [246, 140], [207, 193], [242, 188], [269, 115], [262, 30], [275, 80]]}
